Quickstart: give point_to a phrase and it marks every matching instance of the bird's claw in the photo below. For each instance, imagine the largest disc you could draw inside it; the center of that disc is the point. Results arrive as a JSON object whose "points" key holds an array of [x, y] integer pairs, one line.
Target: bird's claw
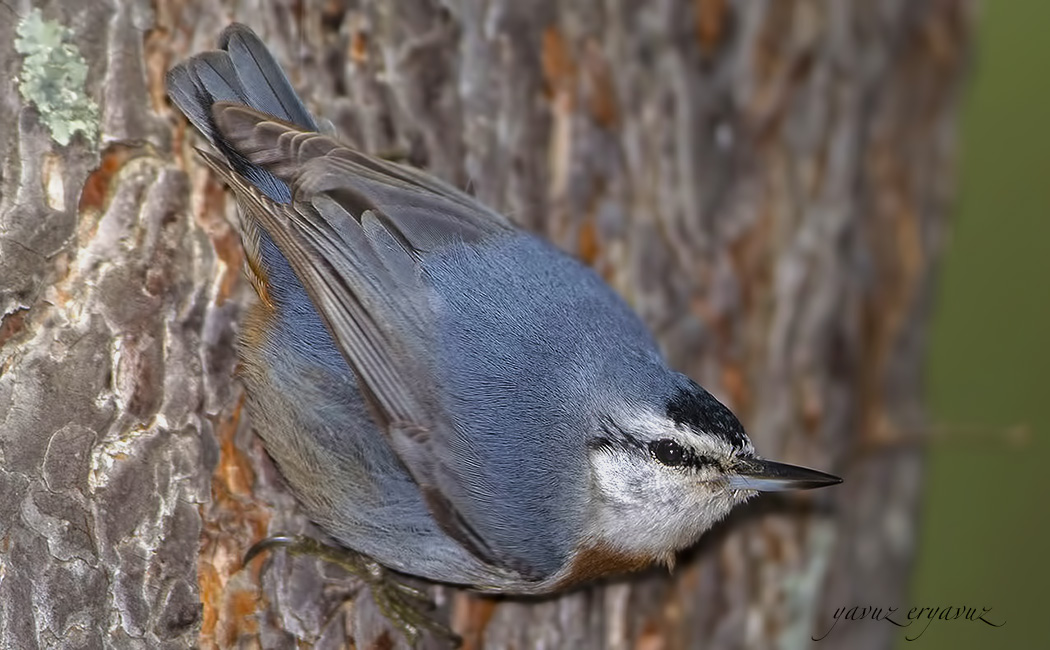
{"points": [[408, 608]]}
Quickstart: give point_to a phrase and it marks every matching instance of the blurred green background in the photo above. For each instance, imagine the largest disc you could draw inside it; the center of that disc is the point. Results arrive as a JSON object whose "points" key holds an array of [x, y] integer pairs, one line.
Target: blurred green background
{"points": [[986, 530]]}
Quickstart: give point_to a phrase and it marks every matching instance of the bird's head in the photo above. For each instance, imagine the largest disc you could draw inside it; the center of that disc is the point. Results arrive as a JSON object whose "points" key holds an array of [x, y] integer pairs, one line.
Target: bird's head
{"points": [[664, 470]]}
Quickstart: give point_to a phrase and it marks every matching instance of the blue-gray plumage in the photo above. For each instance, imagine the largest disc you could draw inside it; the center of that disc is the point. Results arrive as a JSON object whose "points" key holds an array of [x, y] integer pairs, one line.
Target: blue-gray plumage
{"points": [[446, 393]]}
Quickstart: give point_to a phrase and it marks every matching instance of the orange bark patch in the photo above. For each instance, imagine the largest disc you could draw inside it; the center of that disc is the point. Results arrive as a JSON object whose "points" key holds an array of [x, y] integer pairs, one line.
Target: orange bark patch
{"points": [[559, 70], [588, 245], [811, 410], [96, 192], [735, 383], [11, 325], [652, 637], [359, 46], [232, 521], [470, 616], [234, 476], [710, 24], [599, 87]]}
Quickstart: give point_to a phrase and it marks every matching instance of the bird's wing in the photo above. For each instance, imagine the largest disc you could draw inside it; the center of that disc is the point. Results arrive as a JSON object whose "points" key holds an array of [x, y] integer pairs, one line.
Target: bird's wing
{"points": [[354, 233], [242, 71]]}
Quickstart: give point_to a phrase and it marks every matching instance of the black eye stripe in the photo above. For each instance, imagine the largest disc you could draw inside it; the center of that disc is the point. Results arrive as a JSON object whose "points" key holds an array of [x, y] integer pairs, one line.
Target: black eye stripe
{"points": [[672, 454], [665, 450]]}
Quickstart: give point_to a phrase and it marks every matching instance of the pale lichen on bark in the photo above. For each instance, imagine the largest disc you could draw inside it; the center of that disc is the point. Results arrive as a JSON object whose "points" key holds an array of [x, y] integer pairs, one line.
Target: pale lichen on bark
{"points": [[52, 78]]}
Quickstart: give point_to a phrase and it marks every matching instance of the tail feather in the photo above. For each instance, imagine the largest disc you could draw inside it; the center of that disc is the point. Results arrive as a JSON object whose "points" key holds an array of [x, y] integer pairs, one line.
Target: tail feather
{"points": [[242, 72], [267, 88]]}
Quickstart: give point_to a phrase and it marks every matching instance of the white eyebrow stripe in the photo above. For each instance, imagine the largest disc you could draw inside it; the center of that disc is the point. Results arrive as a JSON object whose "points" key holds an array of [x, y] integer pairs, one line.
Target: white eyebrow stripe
{"points": [[647, 423]]}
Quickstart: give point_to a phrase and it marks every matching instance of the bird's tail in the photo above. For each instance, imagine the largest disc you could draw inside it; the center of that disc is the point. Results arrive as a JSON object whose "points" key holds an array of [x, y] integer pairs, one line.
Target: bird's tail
{"points": [[242, 71]]}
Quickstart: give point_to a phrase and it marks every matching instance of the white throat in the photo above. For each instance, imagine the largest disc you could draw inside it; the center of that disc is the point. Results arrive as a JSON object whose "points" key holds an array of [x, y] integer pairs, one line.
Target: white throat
{"points": [[641, 511]]}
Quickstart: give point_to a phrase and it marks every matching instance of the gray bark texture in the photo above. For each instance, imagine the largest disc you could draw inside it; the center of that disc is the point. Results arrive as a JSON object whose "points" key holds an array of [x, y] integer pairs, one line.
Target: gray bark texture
{"points": [[766, 182]]}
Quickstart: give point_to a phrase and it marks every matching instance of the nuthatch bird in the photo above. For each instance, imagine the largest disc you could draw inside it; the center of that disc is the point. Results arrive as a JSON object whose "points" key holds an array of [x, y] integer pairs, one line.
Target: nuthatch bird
{"points": [[445, 393]]}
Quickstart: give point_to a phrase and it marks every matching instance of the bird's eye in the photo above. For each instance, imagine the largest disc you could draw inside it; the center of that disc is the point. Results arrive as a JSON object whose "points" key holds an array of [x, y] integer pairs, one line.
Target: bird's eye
{"points": [[668, 452]]}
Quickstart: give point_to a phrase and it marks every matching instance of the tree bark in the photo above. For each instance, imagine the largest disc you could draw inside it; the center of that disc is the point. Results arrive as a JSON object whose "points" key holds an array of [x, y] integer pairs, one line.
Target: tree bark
{"points": [[767, 183]]}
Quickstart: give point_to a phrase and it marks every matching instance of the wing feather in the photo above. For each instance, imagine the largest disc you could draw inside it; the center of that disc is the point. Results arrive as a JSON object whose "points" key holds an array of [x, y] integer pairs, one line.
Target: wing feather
{"points": [[354, 230], [354, 233]]}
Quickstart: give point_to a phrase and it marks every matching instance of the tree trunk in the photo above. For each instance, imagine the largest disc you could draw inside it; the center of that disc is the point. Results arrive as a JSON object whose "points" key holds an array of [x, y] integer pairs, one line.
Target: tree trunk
{"points": [[765, 182]]}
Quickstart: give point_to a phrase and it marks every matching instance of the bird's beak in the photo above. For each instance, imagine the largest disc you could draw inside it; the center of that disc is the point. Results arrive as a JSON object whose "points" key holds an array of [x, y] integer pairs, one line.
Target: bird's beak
{"points": [[771, 476]]}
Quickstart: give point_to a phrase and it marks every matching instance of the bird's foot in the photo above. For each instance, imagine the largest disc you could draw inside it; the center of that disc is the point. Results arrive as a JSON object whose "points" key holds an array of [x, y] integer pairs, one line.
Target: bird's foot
{"points": [[408, 608]]}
